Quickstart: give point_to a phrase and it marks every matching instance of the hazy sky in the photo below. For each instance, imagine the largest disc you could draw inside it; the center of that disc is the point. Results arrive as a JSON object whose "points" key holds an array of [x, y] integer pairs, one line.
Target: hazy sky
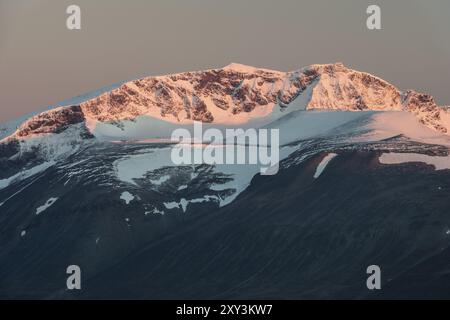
{"points": [[43, 63]]}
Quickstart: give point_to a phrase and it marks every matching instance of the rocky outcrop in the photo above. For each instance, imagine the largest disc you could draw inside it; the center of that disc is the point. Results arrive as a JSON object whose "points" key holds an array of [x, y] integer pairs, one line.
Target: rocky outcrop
{"points": [[425, 109], [341, 88], [199, 96], [53, 121]]}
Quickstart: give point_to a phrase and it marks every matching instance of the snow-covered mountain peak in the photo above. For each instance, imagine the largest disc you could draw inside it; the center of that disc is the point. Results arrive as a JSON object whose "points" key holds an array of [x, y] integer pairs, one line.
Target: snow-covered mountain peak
{"points": [[238, 94], [342, 88], [242, 68]]}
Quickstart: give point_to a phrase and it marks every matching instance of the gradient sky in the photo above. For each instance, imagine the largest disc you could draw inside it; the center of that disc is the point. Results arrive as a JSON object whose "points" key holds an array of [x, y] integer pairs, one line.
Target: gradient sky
{"points": [[43, 63]]}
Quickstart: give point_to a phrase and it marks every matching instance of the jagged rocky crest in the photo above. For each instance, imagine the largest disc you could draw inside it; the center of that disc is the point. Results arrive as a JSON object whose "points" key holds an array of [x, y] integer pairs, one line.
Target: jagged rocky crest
{"points": [[53, 121], [234, 90]]}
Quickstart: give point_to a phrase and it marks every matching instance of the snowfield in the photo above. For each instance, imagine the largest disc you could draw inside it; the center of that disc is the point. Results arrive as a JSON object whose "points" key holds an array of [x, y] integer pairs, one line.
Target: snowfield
{"points": [[127, 197], [323, 164]]}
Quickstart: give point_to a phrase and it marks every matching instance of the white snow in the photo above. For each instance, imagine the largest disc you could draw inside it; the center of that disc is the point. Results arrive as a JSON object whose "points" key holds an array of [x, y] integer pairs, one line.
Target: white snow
{"points": [[55, 146], [183, 187], [171, 205], [238, 67], [127, 197], [298, 125], [47, 205], [154, 211], [439, 163], [183, 203], [8, 128], [26, 174], [323, 164], [206, 198], [301, 125], [161, 180], [332, 89], [295, 126], [383, 125], [136, 166]]}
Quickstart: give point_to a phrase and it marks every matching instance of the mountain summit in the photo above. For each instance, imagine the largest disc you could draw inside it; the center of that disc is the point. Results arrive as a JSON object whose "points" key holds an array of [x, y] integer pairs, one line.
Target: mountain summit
{"points": [[238, 94]]}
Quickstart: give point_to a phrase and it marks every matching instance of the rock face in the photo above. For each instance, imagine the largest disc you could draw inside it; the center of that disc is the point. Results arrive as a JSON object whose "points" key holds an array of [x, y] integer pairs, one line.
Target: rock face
{"points": [[237, 91], [240, 89], [425, 109], [341, 88], [53, 121], [200, 96]]}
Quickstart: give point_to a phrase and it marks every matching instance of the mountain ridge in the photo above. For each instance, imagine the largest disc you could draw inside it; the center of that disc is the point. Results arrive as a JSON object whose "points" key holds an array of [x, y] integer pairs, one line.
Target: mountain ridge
{"points": [[236, 94]]}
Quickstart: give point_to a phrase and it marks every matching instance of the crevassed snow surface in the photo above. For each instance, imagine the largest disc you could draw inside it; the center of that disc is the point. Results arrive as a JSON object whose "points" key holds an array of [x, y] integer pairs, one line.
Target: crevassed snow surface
{"points": [[127, 197], [47, 205], [312, 123], [293, 127], [136, 166], [133, 167], [439, 163], [323, 164]]}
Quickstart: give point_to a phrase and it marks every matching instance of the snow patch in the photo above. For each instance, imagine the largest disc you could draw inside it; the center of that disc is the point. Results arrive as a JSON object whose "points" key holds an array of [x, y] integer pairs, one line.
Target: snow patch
{"points": [[136, 166], [26, 174], [47, 205], [183, 204], [154, 211], [171, 205], [323, 164], [127, 197]]}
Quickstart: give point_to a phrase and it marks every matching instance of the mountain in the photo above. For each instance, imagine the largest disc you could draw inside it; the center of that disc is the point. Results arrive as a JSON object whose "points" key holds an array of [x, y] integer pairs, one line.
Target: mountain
{"points": [[363, 179], [238, 94]]}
